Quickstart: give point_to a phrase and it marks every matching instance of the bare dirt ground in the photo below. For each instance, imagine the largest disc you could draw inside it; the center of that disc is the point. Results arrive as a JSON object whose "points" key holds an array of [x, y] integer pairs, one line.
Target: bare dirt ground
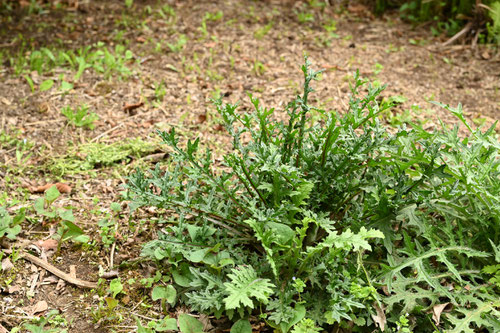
{"points": [[230, 48]]}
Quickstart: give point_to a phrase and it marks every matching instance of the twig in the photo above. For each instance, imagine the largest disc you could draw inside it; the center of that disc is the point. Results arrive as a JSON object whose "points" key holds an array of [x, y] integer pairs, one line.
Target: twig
{"points": [[44, 122], [112, 254], [56, 271], [114, 128], [106, 132], [459, 34]]}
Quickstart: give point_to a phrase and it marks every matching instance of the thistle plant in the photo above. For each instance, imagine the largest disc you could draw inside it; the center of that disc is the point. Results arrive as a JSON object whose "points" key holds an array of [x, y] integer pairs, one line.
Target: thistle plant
{"points": [[329, 222]]}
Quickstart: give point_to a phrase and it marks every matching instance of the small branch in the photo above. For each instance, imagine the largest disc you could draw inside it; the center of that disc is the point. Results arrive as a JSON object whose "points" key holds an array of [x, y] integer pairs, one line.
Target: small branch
{"points": [[459, 34], [56, 271]]}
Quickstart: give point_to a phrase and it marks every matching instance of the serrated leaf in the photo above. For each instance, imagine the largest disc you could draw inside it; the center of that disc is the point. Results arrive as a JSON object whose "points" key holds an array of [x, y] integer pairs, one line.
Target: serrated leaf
{"points": [[475, 315], [244, 285]]}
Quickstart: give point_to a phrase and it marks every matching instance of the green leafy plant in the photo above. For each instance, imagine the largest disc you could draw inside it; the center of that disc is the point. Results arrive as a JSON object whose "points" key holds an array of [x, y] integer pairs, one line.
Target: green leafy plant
{"points": [[282, 229], [10, 226], [304, 17], [261, 32], [81, 117], [108, 225], [67, 230], [178, 45], [52, 319]]}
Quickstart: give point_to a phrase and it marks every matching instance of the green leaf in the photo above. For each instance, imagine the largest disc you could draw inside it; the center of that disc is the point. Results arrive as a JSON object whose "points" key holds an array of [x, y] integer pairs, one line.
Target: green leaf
{"points": [[298, 315], [111, 302], [30, 83], [65, 86], [475, 316], [67, 215], [182, 276], [39, 206], [115, 287], [168, 293], [189, 324], [46, 85], [73, 232], [166, 324], [52, 194], [115, 206], [241, 326], [197, 256], [245, 285]]}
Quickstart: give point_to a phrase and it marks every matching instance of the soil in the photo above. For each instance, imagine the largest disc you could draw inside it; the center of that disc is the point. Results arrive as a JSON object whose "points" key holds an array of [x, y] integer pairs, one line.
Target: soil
{"points": [[233, 56]]}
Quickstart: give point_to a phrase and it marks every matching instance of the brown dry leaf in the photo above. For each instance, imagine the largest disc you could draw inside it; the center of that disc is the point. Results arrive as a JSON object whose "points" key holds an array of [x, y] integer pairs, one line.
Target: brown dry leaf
{"points": [[48, 244], [205, 320], [218, 128], [7, 265], [379, 319], [485, 55], [357, 8], [130, 107], [40, 307], [201, 118], [126, 299], [5, 101], [60, 285], [13, 289], [61, 187], [437, 310]]}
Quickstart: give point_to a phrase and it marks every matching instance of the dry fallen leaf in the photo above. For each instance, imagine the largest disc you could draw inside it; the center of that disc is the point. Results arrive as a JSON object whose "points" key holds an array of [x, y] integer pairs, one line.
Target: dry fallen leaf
{"points": [[7, 265], [61, 187], [48, 244], [39, 307], [130, 107], [14, 289], [379, 319], [201, 118], [436, 312]]}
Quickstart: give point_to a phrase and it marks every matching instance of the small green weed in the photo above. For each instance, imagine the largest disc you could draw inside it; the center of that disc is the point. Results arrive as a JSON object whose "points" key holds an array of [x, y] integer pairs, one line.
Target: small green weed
{"points": [[81, 117], [261, 32], [304, 17], [52, 318], [109, 224], [178, 45], [10, 226], [67, 230], [258, 68]]}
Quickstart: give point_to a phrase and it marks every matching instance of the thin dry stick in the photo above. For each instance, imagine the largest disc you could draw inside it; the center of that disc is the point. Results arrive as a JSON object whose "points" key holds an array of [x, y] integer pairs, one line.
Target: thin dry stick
{"points": [[459, 34], [112, 254], [57, 272], [106, 132]]}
